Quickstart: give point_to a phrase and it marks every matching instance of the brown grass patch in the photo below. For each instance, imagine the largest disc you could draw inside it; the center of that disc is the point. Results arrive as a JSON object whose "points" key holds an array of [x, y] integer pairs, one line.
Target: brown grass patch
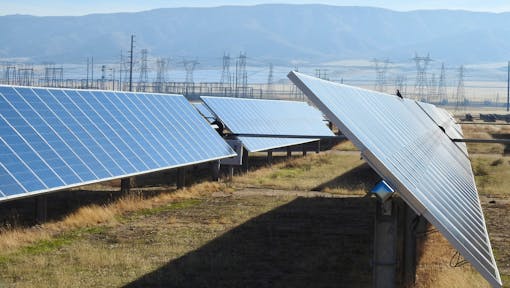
{"points": [[94, 214]]}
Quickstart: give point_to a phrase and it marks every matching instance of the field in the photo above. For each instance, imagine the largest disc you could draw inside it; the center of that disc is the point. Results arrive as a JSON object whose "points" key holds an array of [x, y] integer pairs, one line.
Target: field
{"points": [[302, 222]]}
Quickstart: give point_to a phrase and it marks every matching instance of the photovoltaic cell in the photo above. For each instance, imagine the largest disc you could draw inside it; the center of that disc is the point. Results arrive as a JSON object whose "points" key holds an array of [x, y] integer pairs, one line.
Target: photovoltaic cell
{"points": [[446, 122], [252, 117], [52, 139], [202, 108], [410, 152]]}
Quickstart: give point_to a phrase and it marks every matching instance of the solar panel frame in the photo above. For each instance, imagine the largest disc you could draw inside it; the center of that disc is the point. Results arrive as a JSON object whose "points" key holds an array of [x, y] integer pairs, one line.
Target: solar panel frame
{"points": [[402, 128], [258, 144], [205, 111], [54, 139]]}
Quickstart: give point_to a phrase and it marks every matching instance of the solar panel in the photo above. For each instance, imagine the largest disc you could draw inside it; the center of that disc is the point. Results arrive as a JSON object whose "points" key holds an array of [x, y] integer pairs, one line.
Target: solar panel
{"points": [[257, 144], [202, 108], [411, 153], [446, 122], [52, 139], [252, 117]]}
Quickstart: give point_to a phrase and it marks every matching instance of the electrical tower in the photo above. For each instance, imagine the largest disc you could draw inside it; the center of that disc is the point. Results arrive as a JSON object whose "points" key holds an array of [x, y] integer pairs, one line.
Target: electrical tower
{"points": [[381, 67], [270, 78], [401, 84], [241, 80], [441, 86], [10, 75], [53, 76], [25, 76], [189, 66], [161, 68], [144, 72], [226, 78], [131, 62], [432, 94], [422, 63], [460, 95]]}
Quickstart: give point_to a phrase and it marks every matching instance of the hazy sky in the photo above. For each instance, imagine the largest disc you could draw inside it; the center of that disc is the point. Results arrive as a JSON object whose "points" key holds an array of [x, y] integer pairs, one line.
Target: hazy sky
{"points": [[82, 7]]}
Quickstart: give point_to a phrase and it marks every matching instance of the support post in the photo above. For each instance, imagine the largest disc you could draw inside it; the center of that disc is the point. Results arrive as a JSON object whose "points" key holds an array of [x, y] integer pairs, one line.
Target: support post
{"points": [[289, 152], [216, 170], [318, 147], [385, 245], [125, 185], [181, 177], [245, 160], [270, 157], [41, 209], [230, 172], [411, 226], [304, 149]]}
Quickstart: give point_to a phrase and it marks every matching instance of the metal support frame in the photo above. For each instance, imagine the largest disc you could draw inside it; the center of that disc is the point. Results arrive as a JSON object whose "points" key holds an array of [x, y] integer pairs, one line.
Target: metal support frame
{"points": [[41, 209], [181, 177], [385, 245], [216, 166], [245, 161], [318, 147], [125, 185], [304, 149], [394, 260], [270, 157], [289, 152]]}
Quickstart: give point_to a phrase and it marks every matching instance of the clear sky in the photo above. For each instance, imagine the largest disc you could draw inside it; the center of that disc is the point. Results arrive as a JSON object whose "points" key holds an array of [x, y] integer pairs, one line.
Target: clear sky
{"points": [[82, 7]]}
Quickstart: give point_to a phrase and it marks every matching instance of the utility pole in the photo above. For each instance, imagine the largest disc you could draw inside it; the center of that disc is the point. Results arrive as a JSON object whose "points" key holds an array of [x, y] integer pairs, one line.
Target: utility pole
{"points": [[131, 63], [508, 89]]}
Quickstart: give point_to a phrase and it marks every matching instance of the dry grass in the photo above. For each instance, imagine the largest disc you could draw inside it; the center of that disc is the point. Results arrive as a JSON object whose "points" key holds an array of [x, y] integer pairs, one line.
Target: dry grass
{"points": [[93, 215], [484, 132], [492, 174], [434, 270], [307, 173]]}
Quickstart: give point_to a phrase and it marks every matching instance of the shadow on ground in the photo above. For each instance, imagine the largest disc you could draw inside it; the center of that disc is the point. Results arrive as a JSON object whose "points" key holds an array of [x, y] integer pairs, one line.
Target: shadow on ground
{"points": [[309, 242], [360, 177]]}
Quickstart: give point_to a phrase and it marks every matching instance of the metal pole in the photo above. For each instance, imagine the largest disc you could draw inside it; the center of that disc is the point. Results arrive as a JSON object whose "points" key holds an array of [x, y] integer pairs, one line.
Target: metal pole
{"points": [[508, 88], [92, 71], [131, 64]]}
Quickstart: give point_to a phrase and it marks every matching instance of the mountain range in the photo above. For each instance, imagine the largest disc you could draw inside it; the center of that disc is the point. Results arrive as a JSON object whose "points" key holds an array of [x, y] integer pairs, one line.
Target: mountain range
{"points": [[281, 34]]}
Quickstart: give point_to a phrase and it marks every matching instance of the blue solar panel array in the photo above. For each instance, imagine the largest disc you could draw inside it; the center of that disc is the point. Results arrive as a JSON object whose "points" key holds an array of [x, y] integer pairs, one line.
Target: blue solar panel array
{"points": [[405, 146], [252, 117], [51, 139]]}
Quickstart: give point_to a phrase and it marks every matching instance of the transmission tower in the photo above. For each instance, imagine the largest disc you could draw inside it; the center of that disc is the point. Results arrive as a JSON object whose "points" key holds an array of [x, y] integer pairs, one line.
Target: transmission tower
{"points": [[460, 95], [441, 86], [241, 80], [161, 68], [226, 78], [144, 72], [25, 76], [189, 66], [270, 78], [381, 67], [10, 75], [401, 84], [422, 63], [432, 94]]}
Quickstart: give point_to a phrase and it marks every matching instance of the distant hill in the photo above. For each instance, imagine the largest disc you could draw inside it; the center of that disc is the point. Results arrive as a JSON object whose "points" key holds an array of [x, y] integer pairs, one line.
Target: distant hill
{"points": [[278, 33]]}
